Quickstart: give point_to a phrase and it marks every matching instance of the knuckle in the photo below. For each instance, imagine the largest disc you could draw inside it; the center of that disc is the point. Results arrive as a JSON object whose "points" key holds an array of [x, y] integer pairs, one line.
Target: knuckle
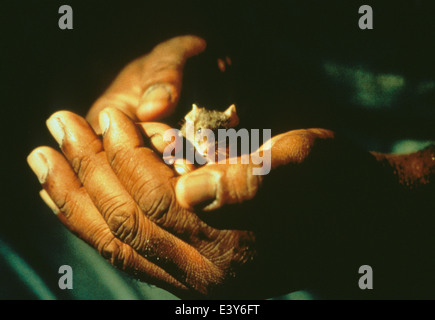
{"points": [[118, 158], [235, 184], [155, 199], [253, 182], [122, 220], [111, 250], [82, 166], [68, 204], [242, 183]]}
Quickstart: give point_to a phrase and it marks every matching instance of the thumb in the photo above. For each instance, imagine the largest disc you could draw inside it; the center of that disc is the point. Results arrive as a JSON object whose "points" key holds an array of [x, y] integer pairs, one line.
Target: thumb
{"points": [[215, 185], [162, 76], [148, 88]]}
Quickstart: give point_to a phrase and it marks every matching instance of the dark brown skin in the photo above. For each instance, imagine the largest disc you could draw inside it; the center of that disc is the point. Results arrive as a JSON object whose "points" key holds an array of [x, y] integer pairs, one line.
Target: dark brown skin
{"points": [[316, 233], [414, 171], [325, 209], [148, 88]]}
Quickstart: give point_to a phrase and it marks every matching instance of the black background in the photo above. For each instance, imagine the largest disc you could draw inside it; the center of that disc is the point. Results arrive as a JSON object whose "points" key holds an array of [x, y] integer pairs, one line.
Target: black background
{"points": [[276, 80]]}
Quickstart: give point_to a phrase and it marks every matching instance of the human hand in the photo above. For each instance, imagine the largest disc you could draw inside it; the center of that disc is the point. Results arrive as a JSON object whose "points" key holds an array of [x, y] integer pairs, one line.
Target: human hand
{"points": [[229, 184], [149, 87], [120, 197]]}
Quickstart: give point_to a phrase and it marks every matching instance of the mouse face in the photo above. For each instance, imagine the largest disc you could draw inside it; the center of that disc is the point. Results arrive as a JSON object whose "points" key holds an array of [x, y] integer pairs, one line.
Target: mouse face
{"points": [[213, 120]]}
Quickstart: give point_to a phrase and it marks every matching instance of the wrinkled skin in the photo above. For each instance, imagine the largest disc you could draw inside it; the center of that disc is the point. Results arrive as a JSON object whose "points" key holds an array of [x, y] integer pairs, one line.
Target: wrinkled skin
{"points": [[119, 196], [260, 236], [148, 88]]}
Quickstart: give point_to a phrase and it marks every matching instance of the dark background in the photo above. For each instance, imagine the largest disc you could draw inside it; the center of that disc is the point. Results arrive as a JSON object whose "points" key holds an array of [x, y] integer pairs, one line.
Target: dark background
{"points": [[278, 80]]}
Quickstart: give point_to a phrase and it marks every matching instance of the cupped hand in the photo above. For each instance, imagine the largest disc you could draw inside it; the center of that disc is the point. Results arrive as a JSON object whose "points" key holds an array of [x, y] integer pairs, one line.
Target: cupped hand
{"points": [[119, 196]]}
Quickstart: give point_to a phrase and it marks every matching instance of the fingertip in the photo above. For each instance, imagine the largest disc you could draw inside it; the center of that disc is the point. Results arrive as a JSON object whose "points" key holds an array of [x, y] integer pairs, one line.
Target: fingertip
{"points": [[59, 122], [197, 190], [119, 130], [153, 110], [56, 128], [106, 116], [61, 113], [183, 166], [200, 44], [104, 120], [193, 44], [37, 161], [156, 102], [44, 151], [155, 132]]}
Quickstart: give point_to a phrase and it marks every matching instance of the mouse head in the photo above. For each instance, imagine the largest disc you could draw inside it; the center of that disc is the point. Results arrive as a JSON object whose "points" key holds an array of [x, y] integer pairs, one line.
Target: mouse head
{"points": [[213, 120]]}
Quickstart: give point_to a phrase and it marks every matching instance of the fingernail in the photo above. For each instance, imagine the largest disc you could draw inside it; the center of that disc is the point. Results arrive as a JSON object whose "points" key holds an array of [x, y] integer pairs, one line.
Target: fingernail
{"points": [[154, 102], [157, 92], [180, 169], [196, 189], [39, 165], [56, 128], [49, 202], [104, 121], [182, 166]]}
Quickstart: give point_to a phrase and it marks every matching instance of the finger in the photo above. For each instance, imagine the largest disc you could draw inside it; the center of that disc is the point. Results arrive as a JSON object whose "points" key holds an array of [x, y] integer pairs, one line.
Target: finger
{"points": [[155, 132], [212, 186], [183, 166], [125, 219], [148, 88], [144, 175], [294, 146], [65, 195], [84, 150], [215, 185], [163, 75]]}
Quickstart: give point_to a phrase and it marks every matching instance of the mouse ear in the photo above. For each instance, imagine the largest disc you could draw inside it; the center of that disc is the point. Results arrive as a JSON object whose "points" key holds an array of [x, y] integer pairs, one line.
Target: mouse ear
{"points": [[231, 113], [193, 114]]}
